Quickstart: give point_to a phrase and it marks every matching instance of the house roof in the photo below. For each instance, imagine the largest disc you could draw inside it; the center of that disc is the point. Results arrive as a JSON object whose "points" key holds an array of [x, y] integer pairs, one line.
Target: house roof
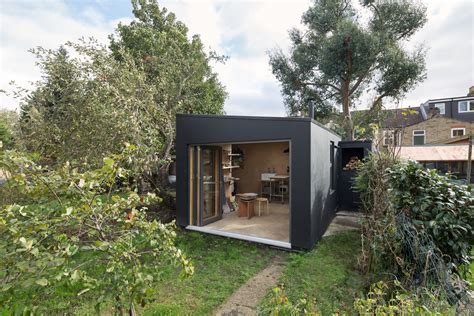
{"points": [[396, 118], [463, 97], [435, 153]]}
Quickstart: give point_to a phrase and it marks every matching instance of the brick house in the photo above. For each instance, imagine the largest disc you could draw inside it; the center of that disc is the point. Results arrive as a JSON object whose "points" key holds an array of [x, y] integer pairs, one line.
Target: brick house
{"points": [[436, 130], [437, 121], [424, 133]]}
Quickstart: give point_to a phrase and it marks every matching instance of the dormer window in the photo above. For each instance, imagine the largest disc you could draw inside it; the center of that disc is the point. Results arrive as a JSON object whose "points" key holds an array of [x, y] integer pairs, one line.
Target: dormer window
{"points": [[441, 107], [466, 106]]}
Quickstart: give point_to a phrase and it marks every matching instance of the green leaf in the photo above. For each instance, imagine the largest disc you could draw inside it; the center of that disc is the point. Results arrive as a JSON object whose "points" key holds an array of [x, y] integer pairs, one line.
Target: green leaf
{"points": [[42, 282], [83, 291]]}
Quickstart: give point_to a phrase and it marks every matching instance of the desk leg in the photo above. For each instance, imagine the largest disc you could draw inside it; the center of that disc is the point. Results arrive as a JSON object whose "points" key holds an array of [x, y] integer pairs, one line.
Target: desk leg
{"points": [[281, 192]]}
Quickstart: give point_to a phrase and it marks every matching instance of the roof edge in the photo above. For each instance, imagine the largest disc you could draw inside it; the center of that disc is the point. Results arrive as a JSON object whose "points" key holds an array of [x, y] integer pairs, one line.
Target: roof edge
{"points": [[246, 117], [325, 128]]}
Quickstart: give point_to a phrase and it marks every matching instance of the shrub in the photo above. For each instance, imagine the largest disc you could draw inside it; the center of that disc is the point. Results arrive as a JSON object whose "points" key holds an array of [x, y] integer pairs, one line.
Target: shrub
{"points": [[436, 205], [401, 302], [73, 234], [418, 225], [378, 227], [281, 305]]}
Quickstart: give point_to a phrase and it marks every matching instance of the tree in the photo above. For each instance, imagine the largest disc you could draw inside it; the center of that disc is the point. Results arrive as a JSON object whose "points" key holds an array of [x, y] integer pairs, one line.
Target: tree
{"points": [[86, 107], [84, 235], [345, 50], [7, 122], [175, 65]]}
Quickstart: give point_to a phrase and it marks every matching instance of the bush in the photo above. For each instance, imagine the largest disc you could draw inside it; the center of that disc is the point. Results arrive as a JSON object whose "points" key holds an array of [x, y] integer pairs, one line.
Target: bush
{"points": [[444, 210], [418, 225], [73, 234]]}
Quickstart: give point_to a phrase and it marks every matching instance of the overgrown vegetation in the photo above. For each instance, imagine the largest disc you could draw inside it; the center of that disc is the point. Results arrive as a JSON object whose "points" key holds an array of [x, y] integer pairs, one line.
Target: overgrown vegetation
{"points": [[7, 123], [78, 234], [418, 229], [93, 98], [382, 299]]}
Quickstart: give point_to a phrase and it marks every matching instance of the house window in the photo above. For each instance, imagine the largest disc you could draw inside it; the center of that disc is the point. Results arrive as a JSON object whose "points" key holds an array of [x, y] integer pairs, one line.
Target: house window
{"points": [[441, 107], [419, 137], [458, 132], [466, 106], [391, 138]]}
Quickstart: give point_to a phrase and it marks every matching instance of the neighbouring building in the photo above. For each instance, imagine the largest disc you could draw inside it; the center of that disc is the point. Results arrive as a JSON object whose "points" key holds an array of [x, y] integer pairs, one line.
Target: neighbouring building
{"points": [[436, 133], [445, 158], [436, 121], [459, 108], [436, 130]]}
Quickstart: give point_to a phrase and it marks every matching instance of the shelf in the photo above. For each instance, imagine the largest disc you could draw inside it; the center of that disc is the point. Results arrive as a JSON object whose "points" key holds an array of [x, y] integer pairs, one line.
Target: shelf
{"points": [[230, 167], [236, 155]]}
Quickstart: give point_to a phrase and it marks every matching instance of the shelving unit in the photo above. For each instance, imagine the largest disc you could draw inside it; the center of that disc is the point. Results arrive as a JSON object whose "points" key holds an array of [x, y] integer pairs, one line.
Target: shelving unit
{"points": [[230, 167]]}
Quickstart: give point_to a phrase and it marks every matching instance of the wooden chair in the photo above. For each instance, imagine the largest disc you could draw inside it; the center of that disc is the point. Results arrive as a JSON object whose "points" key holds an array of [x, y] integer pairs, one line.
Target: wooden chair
{"points": [[262, 200]]}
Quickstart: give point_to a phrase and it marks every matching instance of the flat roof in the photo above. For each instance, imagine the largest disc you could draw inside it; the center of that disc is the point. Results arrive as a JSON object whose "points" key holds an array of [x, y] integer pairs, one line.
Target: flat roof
{"points": [[435, 152], [466, 97], [247, 117], [263, 118]]}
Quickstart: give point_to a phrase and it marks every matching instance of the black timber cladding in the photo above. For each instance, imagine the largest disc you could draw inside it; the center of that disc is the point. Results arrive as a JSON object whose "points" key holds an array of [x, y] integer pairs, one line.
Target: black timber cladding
{"points": [[214, 129]]}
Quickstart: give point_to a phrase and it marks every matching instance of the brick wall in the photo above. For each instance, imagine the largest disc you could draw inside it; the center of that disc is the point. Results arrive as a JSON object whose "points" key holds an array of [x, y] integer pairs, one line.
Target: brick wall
{"points": [[437, 130]]}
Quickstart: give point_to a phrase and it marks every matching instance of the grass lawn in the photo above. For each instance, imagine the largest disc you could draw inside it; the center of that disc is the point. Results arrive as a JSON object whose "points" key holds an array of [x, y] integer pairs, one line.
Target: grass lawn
{"points": [[221, 266], [327, 274]]}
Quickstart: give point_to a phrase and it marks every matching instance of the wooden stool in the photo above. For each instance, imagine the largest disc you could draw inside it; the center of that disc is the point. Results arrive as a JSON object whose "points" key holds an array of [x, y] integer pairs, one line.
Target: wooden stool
{"points": [[262, 199]]}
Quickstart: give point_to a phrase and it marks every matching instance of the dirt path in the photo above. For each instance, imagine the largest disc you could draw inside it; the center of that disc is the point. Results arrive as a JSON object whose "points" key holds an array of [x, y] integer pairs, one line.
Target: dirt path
{"points": [[244, 301]]}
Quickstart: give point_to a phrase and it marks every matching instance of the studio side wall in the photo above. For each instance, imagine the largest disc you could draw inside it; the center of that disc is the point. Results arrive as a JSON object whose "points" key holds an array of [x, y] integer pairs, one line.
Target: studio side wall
{"points": [[323, 201], [207, 129]]}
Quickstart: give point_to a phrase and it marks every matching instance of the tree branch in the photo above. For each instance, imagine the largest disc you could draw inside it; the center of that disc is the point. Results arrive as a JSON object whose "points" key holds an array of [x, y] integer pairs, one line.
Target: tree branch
{"points": [[321, 84]]}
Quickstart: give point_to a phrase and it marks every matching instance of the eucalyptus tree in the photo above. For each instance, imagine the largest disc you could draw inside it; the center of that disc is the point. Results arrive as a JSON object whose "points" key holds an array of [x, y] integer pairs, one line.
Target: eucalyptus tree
{"points": [[176, 65], [347, 49]]}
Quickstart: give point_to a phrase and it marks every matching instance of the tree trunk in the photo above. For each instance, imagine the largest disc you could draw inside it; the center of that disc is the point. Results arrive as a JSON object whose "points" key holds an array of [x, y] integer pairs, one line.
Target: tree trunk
{"points": [[347, 122], [345, 92], [163, 172]]}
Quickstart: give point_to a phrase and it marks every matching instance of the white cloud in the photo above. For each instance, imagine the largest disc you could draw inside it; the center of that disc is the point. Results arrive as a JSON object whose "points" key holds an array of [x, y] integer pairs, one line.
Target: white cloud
{"points": [[244, 30], [449, 37], [29, 24]]}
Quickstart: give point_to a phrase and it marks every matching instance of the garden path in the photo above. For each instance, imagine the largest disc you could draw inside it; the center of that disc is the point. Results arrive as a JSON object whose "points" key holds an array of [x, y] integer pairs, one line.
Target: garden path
{"points": [[245, 300]]}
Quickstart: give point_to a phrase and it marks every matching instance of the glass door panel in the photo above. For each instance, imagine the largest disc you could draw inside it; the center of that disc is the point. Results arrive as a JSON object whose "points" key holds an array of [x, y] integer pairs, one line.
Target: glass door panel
{"points": [[207, 184]]}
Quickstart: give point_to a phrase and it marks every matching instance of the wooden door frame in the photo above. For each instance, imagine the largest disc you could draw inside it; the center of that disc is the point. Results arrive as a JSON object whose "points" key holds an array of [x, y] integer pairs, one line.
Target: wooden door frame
{"points": [[196, 192]]}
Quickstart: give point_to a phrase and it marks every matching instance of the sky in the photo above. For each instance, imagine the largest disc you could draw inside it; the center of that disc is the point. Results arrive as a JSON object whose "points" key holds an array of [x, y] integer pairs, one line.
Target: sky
{"points": [[244, 30]]}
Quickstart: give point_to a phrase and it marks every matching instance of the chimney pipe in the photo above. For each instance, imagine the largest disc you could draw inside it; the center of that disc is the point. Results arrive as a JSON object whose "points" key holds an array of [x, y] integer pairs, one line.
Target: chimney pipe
{"points": [[311, 110]]}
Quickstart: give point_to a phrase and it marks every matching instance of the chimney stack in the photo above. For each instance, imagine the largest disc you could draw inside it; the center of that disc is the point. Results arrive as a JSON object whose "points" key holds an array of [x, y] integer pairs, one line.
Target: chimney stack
{"points": [[311, 109], [471, 92]]}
